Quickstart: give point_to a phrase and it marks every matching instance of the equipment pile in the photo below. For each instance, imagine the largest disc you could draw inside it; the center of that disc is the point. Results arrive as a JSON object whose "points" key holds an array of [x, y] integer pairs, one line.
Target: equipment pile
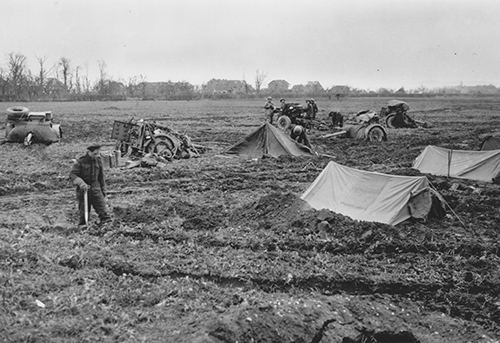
{"points": [[151, 143]]}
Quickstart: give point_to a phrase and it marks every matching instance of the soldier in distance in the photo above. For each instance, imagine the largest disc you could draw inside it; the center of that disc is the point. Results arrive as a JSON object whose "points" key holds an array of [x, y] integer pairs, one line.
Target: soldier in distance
{"points": [[285, 108], [282, 104], [269, 108], [87, 175], [314, 108]]}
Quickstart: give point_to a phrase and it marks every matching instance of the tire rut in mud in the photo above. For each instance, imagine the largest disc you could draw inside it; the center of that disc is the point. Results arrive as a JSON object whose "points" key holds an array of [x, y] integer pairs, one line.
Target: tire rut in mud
{"points": [[470, 302], [307, 247]]}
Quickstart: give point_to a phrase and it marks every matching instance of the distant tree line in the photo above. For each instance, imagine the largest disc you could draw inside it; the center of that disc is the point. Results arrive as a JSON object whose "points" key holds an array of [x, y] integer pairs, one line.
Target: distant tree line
{"points": [[64, 81]]}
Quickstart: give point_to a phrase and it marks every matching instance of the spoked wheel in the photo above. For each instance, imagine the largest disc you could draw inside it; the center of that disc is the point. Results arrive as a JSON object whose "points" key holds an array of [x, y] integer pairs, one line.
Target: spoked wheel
{"points": [[389, 121], [284, 122], [164, 148], [28, 139], [376, 134]]}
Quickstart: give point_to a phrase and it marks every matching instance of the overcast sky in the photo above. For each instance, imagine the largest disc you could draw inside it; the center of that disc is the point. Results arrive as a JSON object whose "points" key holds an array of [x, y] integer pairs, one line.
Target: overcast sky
{"points": [[360, 43]]}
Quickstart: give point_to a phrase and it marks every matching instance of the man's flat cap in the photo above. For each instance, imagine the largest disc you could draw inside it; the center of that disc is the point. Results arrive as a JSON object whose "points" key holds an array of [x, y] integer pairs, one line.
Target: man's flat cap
{"points": [[94, 147]]}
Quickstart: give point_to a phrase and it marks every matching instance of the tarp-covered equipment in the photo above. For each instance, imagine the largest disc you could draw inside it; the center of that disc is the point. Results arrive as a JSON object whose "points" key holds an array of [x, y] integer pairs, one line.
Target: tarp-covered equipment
{"points": [[23, 126], [465, 164], [372, 196], [398, 103]]}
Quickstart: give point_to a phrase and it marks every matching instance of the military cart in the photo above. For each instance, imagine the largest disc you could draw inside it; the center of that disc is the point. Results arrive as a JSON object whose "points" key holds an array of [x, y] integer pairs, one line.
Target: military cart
{"points": [[143, 137]]}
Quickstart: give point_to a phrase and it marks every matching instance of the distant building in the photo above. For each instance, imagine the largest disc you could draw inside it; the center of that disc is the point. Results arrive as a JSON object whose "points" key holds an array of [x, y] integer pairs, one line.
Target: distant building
{"points": [[230, 87], [298, 90], [163, 90], [278, 87], [338, 91], [314, 88]]}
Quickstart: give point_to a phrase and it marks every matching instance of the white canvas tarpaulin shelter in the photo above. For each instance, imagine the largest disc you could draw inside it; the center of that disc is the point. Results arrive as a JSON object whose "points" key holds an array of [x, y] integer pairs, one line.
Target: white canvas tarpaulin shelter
{"points": [[465, 164], [371, 196]]}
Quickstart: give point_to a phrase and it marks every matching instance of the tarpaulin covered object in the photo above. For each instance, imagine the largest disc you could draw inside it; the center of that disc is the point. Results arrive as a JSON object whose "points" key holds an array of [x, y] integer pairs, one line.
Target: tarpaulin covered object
{"points": [[42, 132], [370, 196], [398, 103], [466, 164], [271, 141]]}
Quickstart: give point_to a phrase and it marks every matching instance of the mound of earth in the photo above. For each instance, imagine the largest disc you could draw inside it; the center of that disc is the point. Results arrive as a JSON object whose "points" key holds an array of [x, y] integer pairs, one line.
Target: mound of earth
{"points": [[285, 211], [274, 209]]}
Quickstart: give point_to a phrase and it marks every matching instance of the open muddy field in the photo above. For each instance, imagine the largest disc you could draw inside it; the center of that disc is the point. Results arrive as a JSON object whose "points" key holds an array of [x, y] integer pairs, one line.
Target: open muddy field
{"points": [[220, 249]]}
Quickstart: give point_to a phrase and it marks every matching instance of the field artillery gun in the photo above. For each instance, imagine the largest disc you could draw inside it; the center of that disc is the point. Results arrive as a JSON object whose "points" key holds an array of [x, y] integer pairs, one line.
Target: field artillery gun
{"points": [[364, 126], [147, 137], [23, 126], [294, 113], [395, 116]]}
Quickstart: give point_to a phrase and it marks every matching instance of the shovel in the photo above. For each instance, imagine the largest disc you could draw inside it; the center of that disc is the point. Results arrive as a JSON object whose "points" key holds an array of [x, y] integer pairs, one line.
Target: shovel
{"points": [[86, 206]]}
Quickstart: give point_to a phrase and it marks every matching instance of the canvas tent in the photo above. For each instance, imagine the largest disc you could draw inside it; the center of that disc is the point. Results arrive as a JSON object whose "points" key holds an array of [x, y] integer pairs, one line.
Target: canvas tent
{"points": [[465, 164], [271, 141], [491, 142], [372, 196]]}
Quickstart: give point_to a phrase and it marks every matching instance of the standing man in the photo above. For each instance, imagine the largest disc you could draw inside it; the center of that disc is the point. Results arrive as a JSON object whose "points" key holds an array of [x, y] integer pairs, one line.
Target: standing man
{"points": [[269, 108], [283, 107], [309, 112], [314, 108], [88, 175], [282, 103]]}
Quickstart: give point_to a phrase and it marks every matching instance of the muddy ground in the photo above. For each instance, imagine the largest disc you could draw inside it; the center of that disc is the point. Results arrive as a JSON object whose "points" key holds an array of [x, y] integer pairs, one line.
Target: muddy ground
{"points": [[219, 249]]}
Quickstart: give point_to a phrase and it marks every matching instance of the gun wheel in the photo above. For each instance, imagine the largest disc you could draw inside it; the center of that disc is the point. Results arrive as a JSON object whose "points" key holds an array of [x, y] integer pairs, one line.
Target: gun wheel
{"points": [[376, 134], [389, 120], [164, 148], [284, 122]]}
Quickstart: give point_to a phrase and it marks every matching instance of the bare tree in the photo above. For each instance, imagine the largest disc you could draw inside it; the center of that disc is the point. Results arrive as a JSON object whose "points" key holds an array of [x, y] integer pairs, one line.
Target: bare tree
{"points": [[102, 76], [102, 70], [260, 76], [42, 74], [17, 71], [4, 83], [86, 80], [29, 85], [135, 85], [142, 84], [78, 81], [64, 63]]}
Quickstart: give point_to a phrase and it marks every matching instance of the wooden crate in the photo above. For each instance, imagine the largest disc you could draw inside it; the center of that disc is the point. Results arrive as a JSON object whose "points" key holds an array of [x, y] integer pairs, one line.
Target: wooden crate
{"points": [[110, 159]]}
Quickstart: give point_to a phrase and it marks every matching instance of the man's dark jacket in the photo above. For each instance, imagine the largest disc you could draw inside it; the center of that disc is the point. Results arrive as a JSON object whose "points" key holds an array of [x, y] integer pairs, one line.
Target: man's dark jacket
{"points": [[88, 170]]}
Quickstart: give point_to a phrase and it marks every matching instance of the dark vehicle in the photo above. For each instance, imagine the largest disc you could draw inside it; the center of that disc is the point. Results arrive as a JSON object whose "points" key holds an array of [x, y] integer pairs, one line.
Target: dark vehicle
{"points": [[395, 116], [23, 126], [294, 113], [337, 120]]}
